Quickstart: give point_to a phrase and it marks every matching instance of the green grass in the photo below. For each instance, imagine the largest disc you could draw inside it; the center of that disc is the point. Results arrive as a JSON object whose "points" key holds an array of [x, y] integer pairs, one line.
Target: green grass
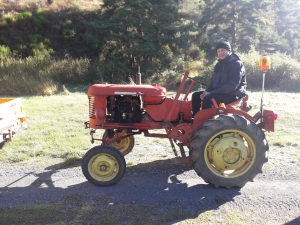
{"points": [[287, 127], [56, 130]]}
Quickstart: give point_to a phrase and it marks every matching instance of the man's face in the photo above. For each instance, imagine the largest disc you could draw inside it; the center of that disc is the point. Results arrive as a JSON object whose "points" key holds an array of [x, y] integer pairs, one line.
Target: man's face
{"points": [[222, 53]]}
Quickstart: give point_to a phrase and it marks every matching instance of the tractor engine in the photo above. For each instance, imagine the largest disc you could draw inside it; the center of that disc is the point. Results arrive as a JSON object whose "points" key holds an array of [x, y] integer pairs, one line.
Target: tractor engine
{"points": [[124, 109], [113, 103]]}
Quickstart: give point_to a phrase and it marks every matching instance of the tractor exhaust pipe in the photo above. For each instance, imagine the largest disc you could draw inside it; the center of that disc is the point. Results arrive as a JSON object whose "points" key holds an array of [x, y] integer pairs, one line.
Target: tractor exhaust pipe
{"points": [[138, 77]]}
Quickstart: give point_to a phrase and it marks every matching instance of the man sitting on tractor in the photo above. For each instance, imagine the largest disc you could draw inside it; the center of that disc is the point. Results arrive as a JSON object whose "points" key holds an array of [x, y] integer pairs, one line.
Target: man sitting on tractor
{"points": [[228, 82]]}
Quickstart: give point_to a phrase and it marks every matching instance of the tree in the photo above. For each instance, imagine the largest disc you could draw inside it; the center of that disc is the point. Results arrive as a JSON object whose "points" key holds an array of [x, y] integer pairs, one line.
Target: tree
{"points": [[287, 24], [128, 33], [239, 21]]}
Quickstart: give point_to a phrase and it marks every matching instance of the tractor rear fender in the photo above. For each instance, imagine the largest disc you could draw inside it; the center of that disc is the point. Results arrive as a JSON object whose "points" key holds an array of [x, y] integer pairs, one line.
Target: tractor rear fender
{"points": [[269, 118], [206, 114]]}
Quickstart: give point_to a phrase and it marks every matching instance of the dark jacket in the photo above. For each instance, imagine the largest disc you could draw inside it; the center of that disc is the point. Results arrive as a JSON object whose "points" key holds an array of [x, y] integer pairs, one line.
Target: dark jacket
{"points": [[229, 77]]}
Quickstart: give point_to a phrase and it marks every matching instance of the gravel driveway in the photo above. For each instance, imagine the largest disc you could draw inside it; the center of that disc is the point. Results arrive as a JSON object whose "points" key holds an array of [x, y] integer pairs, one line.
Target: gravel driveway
{"points": [[157, 178]]}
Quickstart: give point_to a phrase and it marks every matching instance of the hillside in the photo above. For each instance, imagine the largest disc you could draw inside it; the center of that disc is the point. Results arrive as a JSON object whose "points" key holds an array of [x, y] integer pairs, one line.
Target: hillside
{"points": [[58, 42], [54, 27]]}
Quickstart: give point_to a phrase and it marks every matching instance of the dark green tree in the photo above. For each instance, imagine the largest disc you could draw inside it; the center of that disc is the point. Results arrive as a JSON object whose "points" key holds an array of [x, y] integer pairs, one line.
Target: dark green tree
{"points": [[288, 25], [242, 22], [129, 33]]}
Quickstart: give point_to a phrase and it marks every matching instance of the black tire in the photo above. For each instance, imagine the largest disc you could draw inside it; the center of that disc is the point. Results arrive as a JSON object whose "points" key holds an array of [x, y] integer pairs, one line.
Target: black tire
{"points": [[125, 145], [228, 151], [103, 165]]}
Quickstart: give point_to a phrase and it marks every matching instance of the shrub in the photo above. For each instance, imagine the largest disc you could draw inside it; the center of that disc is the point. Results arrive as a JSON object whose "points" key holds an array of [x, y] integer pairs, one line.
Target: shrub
{"points": [[207, 74], [39, 20], [4, 52], [2, 40], [24, 15], [77, 5], [171, 79], [284, 74], [35, 38], [69, 33], [8, 18], [41, 48]]}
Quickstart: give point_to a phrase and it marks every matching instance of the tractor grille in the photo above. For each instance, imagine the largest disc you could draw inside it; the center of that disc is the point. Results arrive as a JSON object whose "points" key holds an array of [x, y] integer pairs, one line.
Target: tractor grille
{"points": [[92, 107]]}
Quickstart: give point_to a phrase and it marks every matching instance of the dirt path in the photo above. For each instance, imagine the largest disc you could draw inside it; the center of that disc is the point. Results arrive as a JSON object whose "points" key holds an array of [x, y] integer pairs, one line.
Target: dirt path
{"points": [[273, 197]]}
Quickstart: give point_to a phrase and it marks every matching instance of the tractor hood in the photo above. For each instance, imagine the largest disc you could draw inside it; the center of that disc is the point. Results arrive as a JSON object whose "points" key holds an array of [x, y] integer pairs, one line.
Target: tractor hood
{"points": [[151, 94]]}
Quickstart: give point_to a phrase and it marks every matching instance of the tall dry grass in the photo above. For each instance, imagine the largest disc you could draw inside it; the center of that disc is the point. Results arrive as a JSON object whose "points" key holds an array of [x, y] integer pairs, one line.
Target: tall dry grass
{"points": [[40, 76], [46, 75]]}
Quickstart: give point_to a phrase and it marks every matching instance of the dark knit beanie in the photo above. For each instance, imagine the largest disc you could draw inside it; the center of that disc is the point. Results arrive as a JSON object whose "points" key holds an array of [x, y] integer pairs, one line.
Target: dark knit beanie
{"points": [[224, 44]]}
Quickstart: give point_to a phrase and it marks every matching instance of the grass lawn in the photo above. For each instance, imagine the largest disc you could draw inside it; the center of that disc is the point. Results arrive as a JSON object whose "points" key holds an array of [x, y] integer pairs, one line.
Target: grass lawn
{"points": [[56, 126]]}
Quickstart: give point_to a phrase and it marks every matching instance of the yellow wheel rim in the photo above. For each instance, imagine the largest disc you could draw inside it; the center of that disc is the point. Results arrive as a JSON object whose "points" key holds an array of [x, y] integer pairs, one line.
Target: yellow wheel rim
{"points": [[230, 153], [123, 144], [103, 167]]}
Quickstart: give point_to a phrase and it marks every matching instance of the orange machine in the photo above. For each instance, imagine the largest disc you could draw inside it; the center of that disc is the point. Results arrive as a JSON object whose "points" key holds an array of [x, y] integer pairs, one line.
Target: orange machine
{"points": [[227, 146]]}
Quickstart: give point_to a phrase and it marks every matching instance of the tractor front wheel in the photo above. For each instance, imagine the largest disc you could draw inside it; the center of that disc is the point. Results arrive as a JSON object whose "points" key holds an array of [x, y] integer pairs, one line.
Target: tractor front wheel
{"points": [[228, 151], [103, 165], [125, 145]]}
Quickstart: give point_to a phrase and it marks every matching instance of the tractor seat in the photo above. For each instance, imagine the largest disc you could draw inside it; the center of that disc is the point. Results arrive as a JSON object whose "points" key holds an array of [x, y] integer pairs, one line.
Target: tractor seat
{"points": [[242, 102]]}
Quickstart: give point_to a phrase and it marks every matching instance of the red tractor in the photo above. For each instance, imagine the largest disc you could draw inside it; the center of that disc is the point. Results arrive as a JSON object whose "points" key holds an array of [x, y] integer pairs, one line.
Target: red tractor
{"points": [[227, 146]]}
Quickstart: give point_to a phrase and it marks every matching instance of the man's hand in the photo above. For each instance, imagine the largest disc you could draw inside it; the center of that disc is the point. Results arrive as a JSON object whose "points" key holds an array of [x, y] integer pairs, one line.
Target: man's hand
{"points": [[203, 95]]}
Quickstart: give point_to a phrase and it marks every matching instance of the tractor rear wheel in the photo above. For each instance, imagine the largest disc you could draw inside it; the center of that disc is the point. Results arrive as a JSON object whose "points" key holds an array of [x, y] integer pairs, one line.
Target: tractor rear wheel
{"points": [[228, 151], [103, 165], [125, 145]]}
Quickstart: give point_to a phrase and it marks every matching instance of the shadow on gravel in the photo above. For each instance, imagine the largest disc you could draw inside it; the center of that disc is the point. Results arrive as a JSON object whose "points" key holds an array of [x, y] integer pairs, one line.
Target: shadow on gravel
{"points": [[294, 222], [170, 191]]}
